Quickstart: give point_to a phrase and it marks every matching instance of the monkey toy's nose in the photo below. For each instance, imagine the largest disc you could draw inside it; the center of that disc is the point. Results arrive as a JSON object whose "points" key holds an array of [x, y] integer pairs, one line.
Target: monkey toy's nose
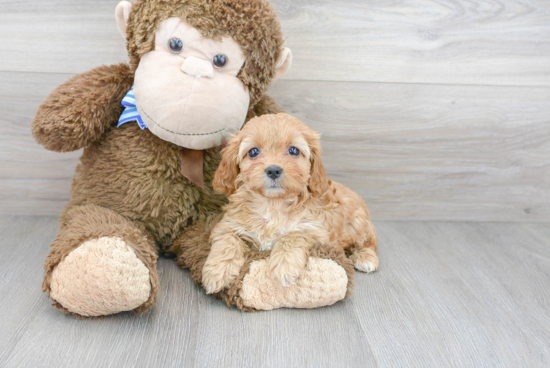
{"points": [[273, 172], [198, 68]]}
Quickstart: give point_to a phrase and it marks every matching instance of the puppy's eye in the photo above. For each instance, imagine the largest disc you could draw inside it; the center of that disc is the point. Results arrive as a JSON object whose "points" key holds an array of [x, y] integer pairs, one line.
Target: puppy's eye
{"points": [[253, 152], [176, 45], [219, 61], [293, 151]]}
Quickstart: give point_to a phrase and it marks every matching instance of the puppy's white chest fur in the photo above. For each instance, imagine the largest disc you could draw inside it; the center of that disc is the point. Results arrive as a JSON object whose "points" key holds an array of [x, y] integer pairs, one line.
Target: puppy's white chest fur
{"points": [[271, 224]]}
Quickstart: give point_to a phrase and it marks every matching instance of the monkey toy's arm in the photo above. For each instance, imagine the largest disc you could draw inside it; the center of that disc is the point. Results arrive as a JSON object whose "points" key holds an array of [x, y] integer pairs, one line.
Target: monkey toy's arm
{"points": [[80, 110]]}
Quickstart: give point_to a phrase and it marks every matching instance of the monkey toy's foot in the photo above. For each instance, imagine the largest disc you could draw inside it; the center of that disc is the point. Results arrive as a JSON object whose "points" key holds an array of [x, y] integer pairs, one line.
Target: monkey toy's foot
{"points": [[101, 263], [326, 279], [102, 276], [323, 282]]}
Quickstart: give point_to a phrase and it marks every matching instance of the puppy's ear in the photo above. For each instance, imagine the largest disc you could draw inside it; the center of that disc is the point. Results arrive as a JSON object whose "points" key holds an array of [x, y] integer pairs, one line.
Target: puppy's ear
{"points": [[318, 181], [226, 174]]}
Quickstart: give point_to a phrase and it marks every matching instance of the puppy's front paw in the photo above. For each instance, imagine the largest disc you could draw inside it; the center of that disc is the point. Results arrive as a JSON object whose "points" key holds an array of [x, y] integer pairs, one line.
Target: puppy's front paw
{"points": [[286, 268], [219, 275]]}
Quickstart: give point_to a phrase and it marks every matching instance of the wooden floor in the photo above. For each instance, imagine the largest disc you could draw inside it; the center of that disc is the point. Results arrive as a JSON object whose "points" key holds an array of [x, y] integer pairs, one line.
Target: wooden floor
{"points": [[447, 295]]}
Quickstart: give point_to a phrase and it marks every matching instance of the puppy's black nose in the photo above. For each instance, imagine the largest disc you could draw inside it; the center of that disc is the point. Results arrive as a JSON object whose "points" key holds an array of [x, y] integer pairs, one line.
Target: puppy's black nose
{"points": [[273, 172]]}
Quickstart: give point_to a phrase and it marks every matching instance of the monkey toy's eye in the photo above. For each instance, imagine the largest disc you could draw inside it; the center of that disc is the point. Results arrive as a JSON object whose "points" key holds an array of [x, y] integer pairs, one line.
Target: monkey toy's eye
{"points": [[293, 151], [219, 61], [253, 152], [176, 45]]}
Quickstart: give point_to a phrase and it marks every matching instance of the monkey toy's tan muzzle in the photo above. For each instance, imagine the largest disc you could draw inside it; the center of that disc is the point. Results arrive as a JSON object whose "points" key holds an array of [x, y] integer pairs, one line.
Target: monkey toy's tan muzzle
{"points": [[189, 104]]}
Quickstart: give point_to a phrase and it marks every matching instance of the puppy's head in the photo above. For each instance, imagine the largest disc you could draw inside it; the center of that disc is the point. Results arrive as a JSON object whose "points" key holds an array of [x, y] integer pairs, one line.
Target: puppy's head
{"points": [[276, 156]]}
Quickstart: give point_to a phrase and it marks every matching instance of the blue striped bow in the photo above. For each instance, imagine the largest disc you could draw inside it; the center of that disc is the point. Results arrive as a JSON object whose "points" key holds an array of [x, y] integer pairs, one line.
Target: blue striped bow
{"points": [[130, 112]]}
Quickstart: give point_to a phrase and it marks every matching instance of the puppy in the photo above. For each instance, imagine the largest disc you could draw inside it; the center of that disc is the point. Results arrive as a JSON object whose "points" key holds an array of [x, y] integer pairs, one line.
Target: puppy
{"points": [[281, 200]]}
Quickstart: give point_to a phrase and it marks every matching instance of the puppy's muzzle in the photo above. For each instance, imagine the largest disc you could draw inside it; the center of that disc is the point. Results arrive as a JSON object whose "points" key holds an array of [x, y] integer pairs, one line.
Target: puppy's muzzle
{"points": [[274, 172]]}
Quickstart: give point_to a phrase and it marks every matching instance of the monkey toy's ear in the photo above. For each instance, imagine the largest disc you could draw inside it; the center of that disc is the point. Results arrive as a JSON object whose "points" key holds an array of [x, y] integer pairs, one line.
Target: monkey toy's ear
{"points": [[283, 63], [122, 13]]}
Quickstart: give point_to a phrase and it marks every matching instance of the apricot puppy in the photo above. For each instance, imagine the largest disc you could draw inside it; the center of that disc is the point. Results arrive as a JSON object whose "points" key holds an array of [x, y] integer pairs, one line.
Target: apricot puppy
{"points": [[281, 200]]}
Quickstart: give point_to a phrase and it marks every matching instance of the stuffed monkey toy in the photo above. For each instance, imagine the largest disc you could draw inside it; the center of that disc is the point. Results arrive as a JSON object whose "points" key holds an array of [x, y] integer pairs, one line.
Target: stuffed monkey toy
{"points": [[151, 131]]}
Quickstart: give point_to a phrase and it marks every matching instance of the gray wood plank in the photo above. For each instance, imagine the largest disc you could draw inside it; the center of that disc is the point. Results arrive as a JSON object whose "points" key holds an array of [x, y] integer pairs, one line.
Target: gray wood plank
{"points": [[325, 337], [59, 36], [464, 290], [425, 152], [447, 295], [498, 42], [23, 247]]}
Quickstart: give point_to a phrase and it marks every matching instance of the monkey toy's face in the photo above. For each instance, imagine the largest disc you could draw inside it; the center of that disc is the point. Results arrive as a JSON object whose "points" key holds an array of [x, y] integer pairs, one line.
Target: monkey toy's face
{"points": [[187, 89]]}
